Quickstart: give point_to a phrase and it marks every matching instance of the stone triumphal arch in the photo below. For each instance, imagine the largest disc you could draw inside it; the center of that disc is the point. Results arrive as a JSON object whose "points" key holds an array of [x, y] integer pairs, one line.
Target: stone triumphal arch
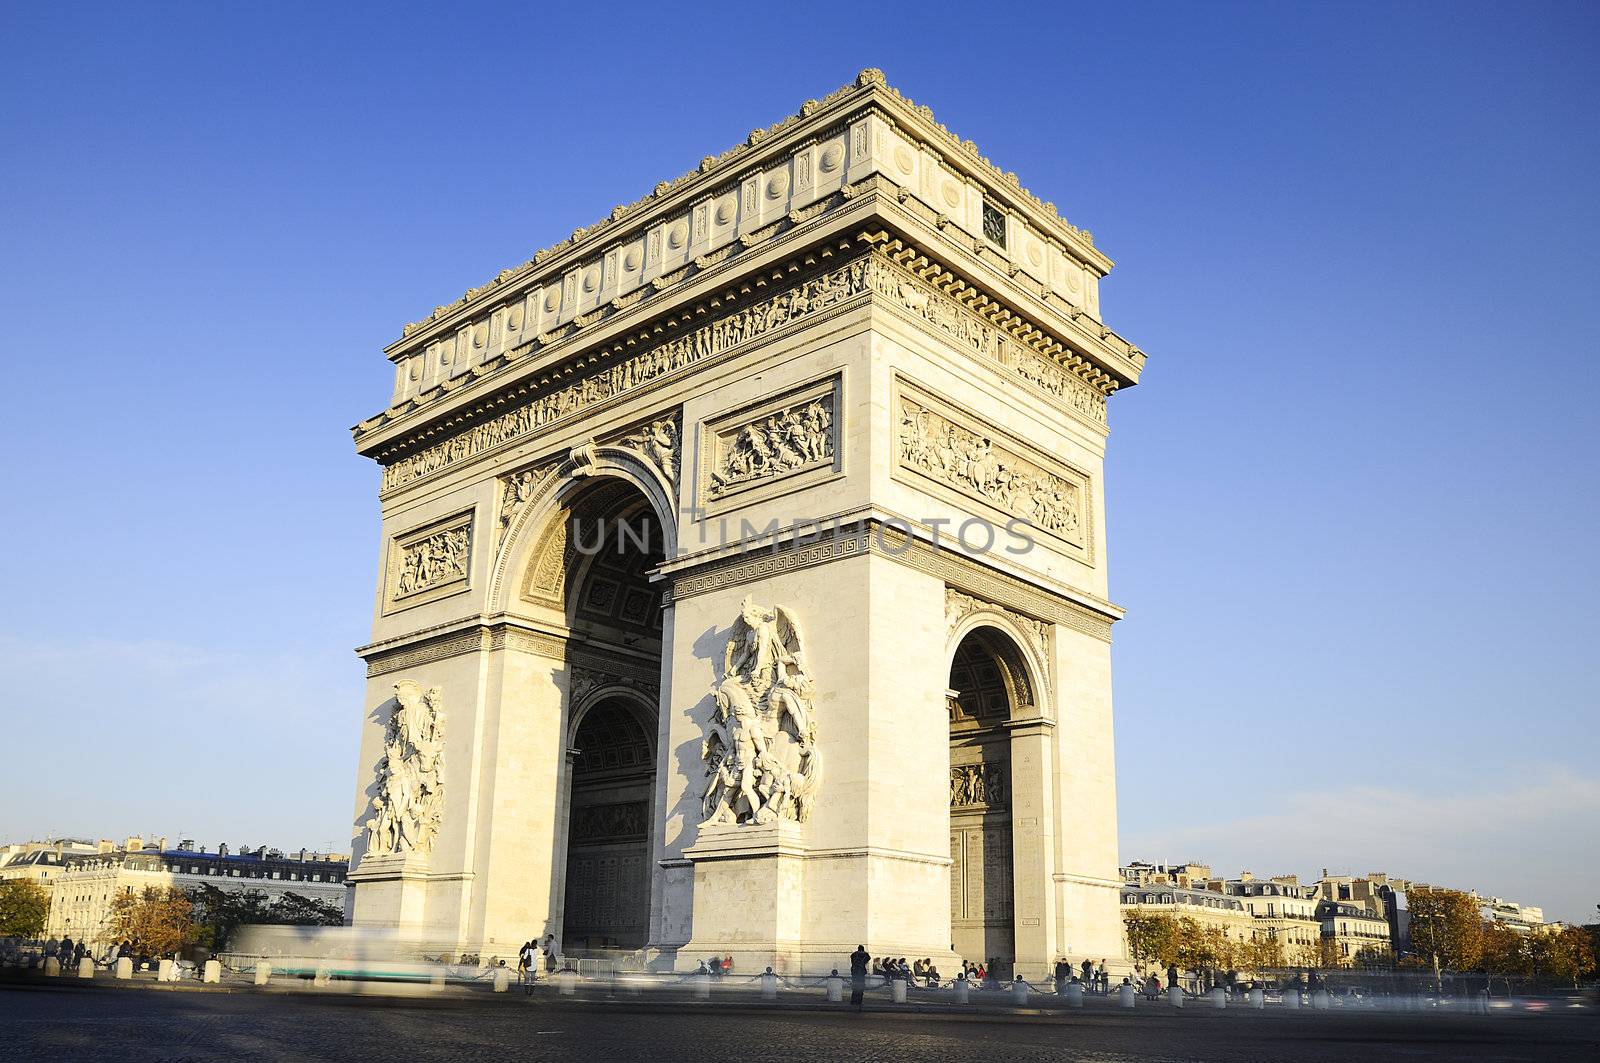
{"points": [[743, 580]]}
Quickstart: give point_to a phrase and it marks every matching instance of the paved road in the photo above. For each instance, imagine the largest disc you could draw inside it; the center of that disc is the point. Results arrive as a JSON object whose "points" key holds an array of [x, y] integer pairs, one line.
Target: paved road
{"points": [[155, 1026]]}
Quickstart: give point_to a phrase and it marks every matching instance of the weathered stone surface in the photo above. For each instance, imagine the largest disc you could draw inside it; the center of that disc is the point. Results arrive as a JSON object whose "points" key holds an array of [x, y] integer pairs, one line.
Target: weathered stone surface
{"points": [[847, 441]]}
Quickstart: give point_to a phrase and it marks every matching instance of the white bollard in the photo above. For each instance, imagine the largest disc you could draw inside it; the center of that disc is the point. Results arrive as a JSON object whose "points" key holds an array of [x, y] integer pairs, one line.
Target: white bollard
{"points": [[436, 980], [1219, 998], [1127, 996], [1483, 1001], [1175, 996], [702, 986], [963, 991], [897, 990], [1258, 998], [568, 979], [52, 966], [1321, 1000], [769, 985], [123, 968], [1291, 998], [835, 988], [263, 972], [502, 979], [324, 977], [1019, 992], [166, 971], [86, 968], [1074, 995], [213, 972]]}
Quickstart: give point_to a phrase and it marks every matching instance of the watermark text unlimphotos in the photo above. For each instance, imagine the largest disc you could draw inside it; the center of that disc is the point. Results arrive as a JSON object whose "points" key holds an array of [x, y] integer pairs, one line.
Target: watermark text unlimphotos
{"points": [[894, 535]]}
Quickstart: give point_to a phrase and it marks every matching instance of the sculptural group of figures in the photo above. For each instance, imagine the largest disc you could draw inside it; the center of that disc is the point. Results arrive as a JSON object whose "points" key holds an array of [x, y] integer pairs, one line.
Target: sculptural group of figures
{"points": [[977, 784], [409, 804], [966, 459], [789, 439], [761, 757], [437, 558]]}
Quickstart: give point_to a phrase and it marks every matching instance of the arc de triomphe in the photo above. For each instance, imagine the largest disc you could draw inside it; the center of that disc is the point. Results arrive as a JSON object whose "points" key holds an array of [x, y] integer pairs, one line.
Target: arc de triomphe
{"points": [[743, 580]]}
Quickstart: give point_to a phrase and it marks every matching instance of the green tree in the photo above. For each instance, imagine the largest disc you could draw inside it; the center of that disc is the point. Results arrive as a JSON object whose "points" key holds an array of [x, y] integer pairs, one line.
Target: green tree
{"points": [[156, 922], [24, 907], [1506, 951], [1564, 954], [1446, 928], [1152, 937]]}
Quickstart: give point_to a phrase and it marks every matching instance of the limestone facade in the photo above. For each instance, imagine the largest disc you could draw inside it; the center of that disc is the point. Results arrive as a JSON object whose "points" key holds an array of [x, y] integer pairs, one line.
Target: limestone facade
{"points": [[743, 586]]}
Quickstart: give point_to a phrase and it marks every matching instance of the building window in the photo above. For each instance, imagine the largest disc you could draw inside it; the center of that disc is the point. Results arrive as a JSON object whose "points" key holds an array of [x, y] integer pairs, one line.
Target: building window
{"points": [[994, 225]]}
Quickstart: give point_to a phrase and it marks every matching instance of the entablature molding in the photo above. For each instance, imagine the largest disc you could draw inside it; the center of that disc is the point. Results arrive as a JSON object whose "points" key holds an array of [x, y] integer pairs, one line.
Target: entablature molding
{"points": [[478, 635], [875, 537], [778, 163], [811, 287]]}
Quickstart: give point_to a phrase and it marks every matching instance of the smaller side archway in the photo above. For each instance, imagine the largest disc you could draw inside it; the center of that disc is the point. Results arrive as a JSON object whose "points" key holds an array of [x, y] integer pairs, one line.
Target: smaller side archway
{"points": [[606, 903], [992, 684]]}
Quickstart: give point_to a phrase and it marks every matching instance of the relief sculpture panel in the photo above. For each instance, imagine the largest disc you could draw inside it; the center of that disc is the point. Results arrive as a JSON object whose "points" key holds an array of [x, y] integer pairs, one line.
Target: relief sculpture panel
{"points": [[974, 460], [430, 562], [796, 433]]}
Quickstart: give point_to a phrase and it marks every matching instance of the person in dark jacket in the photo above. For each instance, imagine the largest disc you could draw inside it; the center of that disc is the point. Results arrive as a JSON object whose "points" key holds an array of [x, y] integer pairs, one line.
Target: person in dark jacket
{"points": [[858, 973]]}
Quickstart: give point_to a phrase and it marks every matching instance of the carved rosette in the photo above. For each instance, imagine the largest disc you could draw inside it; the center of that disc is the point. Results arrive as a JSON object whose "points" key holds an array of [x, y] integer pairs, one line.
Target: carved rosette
{"points": [[409, 804], [760, 751]]}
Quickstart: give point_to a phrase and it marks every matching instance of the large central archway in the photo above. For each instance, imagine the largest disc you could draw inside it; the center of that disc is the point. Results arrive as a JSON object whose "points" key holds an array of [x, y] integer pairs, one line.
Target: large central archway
{"points": [[596, 567]]}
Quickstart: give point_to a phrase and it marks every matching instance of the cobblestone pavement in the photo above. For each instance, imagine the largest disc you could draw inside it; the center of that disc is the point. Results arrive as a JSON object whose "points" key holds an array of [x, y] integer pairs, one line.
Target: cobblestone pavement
{"points": [[155, 1026]]}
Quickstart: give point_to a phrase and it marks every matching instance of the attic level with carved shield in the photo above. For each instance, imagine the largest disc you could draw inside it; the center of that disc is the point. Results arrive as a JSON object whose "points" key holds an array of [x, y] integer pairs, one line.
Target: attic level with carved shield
{"points": [[742, 587]]}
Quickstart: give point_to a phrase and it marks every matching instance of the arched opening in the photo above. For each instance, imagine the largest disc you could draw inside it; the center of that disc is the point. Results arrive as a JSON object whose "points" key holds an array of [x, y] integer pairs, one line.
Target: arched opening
{"points": [[988, 688], [607, 904], [596, 567]]}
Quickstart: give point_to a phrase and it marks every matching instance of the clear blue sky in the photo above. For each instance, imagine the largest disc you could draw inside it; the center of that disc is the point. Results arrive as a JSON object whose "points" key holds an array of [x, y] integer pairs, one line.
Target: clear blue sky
{"points": [[1353, 505]]}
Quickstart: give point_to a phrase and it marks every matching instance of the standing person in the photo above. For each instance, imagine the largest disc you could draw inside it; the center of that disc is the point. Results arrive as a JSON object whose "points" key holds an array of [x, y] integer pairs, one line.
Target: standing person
{"points": [[528, 966], [1062, 973], [1102, 979], [549, 953], [858, 973], [1087, 975], [1172, 976]]}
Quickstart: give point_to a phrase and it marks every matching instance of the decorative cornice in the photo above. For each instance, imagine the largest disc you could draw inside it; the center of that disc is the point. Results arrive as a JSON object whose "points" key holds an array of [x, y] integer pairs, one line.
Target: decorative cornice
{"points": [[1020, 328], [532, 407], [917, 285], [426, 647], [878, 539], [869, 85]]}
